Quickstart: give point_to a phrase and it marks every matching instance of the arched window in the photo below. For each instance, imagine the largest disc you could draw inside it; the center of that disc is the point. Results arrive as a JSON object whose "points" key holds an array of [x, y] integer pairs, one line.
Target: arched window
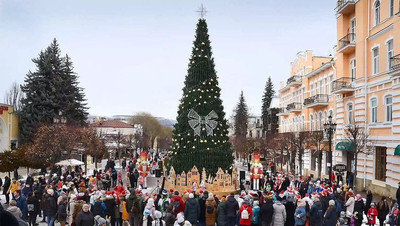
{"points": [[325, 116], [374, 110], [388, 108], [350, 114], [377, 11], [316, 121]]}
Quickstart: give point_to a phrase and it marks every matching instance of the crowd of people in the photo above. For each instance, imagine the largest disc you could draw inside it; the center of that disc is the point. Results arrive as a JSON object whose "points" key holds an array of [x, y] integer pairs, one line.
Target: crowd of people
{"points": [[70, 197]]}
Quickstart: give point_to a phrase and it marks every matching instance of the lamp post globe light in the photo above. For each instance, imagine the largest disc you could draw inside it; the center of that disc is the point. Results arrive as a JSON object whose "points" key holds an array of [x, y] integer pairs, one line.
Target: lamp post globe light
{"points": [[330, 128]]}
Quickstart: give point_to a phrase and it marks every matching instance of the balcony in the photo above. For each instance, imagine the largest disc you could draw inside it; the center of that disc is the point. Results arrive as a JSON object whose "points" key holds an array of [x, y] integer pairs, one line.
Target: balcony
{"points": [[345, 6], [294, 107], [318, 100], [347, 44], [295, 81], [342, 85], [283, 111], [395, 65]]}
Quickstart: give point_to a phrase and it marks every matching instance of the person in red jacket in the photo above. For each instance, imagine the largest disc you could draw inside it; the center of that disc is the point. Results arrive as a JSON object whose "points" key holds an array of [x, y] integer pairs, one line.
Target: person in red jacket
{"points": [[245, 219], [178, 203], [372, 214]]}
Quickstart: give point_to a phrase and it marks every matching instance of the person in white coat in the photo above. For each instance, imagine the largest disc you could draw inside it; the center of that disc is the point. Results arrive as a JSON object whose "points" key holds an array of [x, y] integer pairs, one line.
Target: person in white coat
{"points": [[350, 204]]}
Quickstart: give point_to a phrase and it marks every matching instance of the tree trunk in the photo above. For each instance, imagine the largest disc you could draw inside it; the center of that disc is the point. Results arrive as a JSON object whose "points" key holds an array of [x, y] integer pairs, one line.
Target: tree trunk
{"points": [[300, 163], [355, 170], [95, 162], [282, 159]]}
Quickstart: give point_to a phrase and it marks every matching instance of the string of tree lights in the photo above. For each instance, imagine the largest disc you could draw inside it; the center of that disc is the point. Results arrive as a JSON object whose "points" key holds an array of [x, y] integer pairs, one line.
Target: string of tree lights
{"points": [[201, 133]]}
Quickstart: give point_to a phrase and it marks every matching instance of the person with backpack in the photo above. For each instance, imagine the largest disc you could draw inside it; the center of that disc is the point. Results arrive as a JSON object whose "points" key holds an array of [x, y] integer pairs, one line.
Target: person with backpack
{"points": [[316, 213], [290, 208], [170, 215], [33, 208], [211, 210], [300, 213], [232, 207], [98, 207], [245, 212], [178, 203], [192, 210]]}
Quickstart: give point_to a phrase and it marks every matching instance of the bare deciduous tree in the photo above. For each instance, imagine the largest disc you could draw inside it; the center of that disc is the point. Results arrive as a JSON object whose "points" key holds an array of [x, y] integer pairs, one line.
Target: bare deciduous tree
{"points": [[14, 96], [361, 143]]}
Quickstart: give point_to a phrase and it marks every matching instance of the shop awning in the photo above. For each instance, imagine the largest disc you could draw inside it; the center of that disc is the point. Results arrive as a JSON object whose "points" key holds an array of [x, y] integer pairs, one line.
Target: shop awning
{"points": [[397, 150], [345, 146]]}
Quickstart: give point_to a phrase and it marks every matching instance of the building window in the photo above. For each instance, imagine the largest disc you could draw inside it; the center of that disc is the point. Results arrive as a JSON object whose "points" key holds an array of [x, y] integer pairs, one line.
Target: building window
{"points": [[375, 60], [311, 123], [377, 10], [311, 89], [374, 110], [391, 8], [380, 163], [331, 81], [353, 69], [388, 108], [320, 121], [389, 46], [353, 30], [350, 113]]}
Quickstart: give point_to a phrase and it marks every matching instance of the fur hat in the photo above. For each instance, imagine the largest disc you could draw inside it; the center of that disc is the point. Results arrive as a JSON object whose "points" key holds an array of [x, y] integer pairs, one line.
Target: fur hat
{"points": [[191, 196], [331, 202], [50, 191]]}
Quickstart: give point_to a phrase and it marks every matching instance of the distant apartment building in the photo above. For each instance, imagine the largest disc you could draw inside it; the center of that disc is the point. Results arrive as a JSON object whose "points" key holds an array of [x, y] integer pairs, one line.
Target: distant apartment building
{"points": [[8, 128], [359, 86]]}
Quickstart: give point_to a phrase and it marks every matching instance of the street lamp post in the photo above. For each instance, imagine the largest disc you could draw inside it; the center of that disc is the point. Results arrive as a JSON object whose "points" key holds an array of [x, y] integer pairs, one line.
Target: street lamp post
{"points": [[330, 129]]}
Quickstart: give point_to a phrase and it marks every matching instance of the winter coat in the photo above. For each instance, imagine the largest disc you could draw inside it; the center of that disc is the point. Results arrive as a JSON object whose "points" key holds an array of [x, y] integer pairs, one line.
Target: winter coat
{"points": [[192, 210], [359, 208], [50, 205], [35, 202], [85, 219], [371, 215], [279, 216], [349, 207], [202, 203], [330, 218], [316, 214], [256, 215], [110, 207], [300, 215], [232, 206], [266, 212], [169, 218], [62, 212], [21, 203], [211, 217], [125, 214], [6, 186], [181, 205], [290, 209], [368, 203], [383, 211], [15, 211], [99, 208], [221, 214], [245, 206]]}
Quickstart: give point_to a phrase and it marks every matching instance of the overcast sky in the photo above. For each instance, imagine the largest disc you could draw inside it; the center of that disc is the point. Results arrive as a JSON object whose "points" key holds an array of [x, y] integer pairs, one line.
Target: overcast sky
{"points": [[132, 56]]}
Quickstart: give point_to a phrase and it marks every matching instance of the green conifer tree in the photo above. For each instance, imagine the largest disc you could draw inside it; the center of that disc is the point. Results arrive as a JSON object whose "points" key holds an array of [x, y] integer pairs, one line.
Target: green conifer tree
{"points": [[241, 118], [269, 93], [51, 89], [201, 133]]}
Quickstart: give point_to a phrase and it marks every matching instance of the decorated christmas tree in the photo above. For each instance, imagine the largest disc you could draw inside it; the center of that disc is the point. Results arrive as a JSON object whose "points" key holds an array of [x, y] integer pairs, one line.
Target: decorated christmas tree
{"points": [[201, 132]]}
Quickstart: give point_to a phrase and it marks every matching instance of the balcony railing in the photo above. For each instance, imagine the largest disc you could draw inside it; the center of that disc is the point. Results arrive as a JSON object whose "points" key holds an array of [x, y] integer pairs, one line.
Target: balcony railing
{"points": [[283, 111], [343, 84], [347, 41], [316, 100], [395, 62], [345, 6], [294, 107], [294, 80]]}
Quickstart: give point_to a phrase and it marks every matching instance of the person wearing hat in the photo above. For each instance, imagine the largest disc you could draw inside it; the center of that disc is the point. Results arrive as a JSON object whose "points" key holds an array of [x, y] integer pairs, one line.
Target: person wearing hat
{"points": [[163, 202], [192, 209], [372, 214], [158, 221], [316, 212], [290, 209], [232, 207], [398, 194], [85, 217], [350, 205], [330, 218], [359, 208], [50, 206], [300, 213], [245, 212]]}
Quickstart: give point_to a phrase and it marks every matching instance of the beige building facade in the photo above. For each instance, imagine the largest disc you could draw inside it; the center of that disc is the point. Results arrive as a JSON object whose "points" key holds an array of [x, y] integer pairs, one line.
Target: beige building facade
{"points": [[360, 85]]}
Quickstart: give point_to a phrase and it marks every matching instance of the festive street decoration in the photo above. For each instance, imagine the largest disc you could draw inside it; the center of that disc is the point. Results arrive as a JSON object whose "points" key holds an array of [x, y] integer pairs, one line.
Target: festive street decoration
{"points": [[256, 172], [201, 133], [222, 183], [144, 169]]}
